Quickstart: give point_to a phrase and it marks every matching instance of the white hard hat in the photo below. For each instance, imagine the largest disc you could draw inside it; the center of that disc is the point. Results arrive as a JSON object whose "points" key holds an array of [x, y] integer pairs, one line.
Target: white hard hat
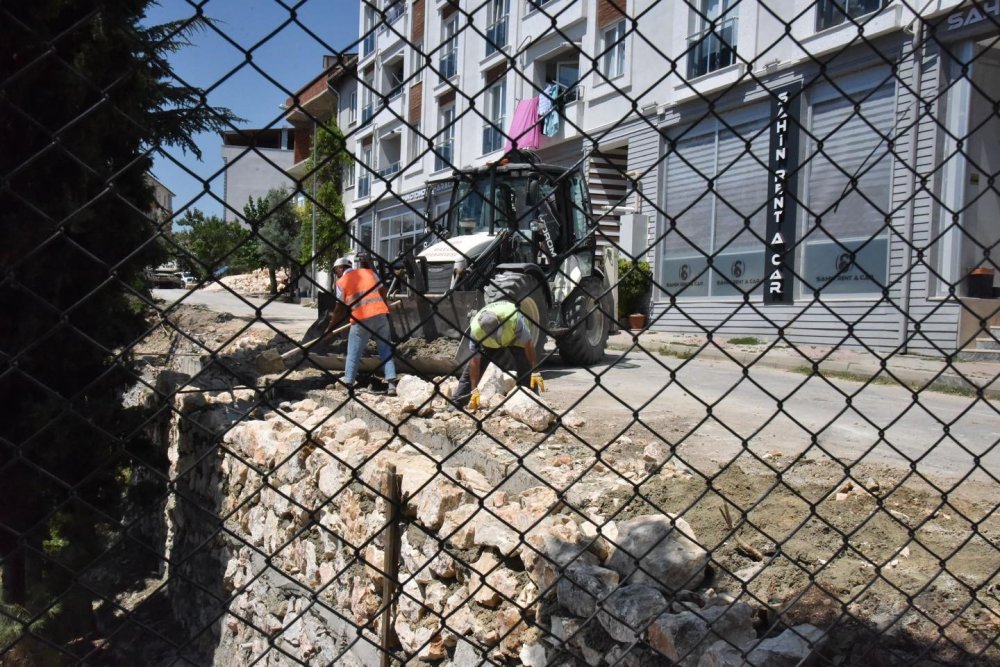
{"points": [[342, 261]]}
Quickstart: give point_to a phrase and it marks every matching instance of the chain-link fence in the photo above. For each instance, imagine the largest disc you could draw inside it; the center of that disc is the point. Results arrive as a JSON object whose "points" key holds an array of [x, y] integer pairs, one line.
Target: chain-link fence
{"points": [[690, 309]]}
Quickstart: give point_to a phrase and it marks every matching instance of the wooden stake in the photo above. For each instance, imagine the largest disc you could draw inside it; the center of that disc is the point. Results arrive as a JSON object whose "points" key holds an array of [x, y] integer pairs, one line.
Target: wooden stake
{"points": [[390, 562]]}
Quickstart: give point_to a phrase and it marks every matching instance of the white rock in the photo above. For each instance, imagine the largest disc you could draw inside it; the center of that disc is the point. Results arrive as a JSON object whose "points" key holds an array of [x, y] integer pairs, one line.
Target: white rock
{"points": [[496, 382], [493, 532], [458, 526], [552, 546], [671, 558], [415, 395], [332, 478], [437, 499], [529, 409], [473, 480], [356, 428], [533, 655]]}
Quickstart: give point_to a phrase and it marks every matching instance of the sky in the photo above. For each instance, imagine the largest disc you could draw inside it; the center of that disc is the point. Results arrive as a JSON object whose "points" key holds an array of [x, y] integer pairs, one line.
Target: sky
{"points": [[292, 57]]}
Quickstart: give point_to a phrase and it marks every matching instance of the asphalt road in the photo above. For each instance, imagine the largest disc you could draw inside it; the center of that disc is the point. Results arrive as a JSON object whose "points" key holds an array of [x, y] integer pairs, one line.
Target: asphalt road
{"points": [[290, 318], [716, 411]]}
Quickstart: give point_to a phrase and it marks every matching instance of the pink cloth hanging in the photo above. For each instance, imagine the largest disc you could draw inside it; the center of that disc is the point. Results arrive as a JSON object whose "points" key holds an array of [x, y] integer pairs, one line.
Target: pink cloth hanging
{"points": [[526, 130]]}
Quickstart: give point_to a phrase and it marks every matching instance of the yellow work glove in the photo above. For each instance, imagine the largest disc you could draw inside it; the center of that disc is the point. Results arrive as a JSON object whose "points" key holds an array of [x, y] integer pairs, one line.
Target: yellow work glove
{"points": [[537, 383], [474, 400]]}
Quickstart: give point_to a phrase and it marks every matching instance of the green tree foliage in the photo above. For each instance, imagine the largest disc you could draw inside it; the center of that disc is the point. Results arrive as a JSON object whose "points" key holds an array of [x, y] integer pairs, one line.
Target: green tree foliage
{"points": [[209, 243], [277, 227], [87, 95], [332, 238]]}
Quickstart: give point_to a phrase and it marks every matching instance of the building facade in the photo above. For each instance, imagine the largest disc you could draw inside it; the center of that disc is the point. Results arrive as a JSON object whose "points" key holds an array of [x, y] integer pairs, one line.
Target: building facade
{"points": [[328, 99], [820, 170], [256, 160]]}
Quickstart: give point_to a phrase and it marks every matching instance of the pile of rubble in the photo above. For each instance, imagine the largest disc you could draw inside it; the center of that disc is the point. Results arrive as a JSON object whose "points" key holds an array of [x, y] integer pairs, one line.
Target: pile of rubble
{"points": [[493, 565], [255, 283]]}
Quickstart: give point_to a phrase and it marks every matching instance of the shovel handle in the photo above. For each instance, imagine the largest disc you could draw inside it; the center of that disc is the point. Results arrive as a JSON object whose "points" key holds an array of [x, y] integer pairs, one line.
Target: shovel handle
{"points": [[308, 344]]}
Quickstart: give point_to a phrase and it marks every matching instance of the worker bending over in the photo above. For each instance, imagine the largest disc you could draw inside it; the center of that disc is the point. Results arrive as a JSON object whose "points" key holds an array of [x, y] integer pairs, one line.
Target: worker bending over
{"points": [[361, 291], [496, 330]]}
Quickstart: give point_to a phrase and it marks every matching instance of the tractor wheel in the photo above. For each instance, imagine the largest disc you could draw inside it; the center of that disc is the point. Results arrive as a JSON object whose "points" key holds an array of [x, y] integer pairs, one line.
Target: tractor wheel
{"points": [[527, 294], [585, 312]]}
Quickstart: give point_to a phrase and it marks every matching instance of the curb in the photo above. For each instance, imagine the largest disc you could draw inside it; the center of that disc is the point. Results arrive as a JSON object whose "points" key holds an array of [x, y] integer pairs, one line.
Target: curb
{"points": [[918, 378]]}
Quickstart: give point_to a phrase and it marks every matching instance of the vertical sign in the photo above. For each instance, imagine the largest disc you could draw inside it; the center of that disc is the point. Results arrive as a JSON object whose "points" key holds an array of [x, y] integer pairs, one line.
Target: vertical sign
{"points": [[783, 164]]}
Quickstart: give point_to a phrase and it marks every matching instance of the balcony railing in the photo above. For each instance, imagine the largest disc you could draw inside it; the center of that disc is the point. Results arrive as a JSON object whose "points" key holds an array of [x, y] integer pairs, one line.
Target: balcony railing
{"points": [[393, 168], [496, 36], [712, 49]]}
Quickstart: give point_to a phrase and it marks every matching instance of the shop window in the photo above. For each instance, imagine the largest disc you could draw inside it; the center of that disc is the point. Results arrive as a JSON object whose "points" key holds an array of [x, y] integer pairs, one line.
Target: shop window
{"points": [[715, 194], [845, 240]]}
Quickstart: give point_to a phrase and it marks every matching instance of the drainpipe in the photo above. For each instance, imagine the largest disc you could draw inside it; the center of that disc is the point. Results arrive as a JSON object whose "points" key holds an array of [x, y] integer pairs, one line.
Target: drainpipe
{"points": [[916, 50], [314, 288]]}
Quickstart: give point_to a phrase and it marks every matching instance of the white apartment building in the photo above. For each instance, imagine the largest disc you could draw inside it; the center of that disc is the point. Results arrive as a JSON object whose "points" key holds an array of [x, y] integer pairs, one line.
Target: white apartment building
{"points": [[834, 182]]}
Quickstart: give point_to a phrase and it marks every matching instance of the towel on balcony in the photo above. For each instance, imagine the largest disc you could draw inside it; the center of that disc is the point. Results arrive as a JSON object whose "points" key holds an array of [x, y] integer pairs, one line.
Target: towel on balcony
{"points": [[551, 110], [525, 129]]}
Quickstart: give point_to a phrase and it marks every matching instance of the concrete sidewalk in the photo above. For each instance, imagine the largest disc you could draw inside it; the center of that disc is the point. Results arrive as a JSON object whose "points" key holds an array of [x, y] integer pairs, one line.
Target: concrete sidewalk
{"points": [[918, 372]]}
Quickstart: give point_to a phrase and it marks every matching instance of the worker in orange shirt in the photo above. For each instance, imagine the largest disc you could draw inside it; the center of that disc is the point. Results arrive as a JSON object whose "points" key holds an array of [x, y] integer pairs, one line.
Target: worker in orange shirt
{"points": [[362, 294]]}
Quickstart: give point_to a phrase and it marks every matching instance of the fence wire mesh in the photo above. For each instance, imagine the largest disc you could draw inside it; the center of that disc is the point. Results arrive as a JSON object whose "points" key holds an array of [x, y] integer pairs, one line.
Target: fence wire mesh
{"points": [[736, 258]]}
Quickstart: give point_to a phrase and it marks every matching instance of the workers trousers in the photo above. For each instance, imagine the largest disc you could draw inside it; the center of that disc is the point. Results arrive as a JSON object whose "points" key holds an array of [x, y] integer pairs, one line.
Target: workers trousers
{"points": [[357, 340]]}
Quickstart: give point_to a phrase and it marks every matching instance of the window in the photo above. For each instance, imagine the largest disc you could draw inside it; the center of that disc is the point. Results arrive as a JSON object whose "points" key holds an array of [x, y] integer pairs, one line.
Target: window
{"points": [[364, 173], [368, 105], [352, 111], [363, 233], [496, 116], [417, 63], [448, 60], [417, 144], [613, 43], [397, 234], [568, 78], [348, 175], [445, 138], [831, 13], [496, 28], [845, 239], [712, 44], [394, 78], [390, 157], [535, 4], [393, 10], [371, 21], [715, 193]]}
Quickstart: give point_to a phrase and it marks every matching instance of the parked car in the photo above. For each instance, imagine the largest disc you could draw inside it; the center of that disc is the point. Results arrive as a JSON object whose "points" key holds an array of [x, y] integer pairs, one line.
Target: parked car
{"points": [[165, 280], [188, 280]]}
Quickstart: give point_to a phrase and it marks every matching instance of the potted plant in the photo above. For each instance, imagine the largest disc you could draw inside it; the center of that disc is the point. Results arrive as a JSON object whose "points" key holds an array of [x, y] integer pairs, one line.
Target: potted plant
{"points": [[635, 280]]}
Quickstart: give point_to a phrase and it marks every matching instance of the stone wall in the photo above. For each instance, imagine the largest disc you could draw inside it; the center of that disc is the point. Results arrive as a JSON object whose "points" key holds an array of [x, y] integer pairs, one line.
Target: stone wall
{"points": [[276, 525]]}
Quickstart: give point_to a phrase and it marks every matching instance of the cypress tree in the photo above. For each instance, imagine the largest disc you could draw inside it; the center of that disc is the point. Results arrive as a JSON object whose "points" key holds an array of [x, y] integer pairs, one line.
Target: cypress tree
{"points": [[87, 97]]}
